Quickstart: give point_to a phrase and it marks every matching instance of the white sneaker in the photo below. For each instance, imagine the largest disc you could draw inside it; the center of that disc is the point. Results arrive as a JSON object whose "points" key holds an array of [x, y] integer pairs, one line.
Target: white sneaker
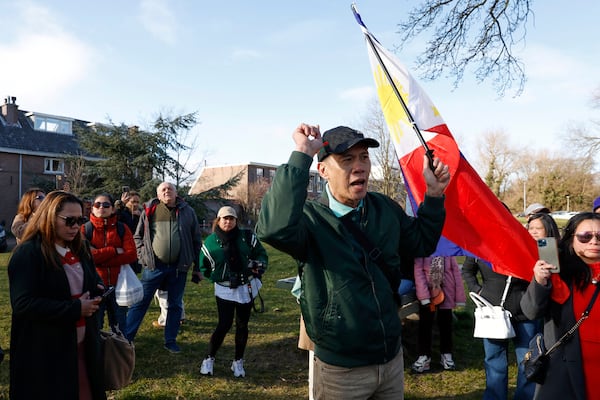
{"points": [[237, 366], [447, 362], [423, 364], [207, 366]]}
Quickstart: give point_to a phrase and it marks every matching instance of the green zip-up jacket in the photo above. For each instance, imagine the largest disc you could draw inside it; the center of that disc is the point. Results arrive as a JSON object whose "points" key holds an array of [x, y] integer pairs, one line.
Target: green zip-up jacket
{"points": [[212, 257], [346, 301]]}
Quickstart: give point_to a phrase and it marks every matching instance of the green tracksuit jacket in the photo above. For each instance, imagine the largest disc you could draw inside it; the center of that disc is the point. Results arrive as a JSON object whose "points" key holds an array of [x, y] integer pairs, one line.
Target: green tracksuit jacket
{"points": [[212, 258]]}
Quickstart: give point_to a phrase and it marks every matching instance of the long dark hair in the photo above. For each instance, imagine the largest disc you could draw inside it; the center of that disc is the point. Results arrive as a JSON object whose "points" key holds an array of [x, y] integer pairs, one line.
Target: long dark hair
{"points": [[548, 222], [43, 226], [575, 269]]}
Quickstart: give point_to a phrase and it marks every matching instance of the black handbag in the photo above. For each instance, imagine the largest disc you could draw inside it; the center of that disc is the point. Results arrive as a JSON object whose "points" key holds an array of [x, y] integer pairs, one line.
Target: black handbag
{"points": [[537, 358]]}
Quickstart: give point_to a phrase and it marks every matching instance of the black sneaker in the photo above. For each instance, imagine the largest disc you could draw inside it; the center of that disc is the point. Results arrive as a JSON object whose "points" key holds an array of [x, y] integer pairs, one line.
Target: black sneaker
{"points": [[173, 348]]}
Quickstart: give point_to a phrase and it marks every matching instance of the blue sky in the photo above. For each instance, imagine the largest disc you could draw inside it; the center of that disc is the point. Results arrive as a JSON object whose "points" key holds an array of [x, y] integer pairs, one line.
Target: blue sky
{"points": [[253, 70]]}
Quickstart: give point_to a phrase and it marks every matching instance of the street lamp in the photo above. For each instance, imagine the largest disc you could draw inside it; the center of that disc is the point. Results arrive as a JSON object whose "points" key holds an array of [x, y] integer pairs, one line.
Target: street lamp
{"points": [[567, 196], [524, 196]]}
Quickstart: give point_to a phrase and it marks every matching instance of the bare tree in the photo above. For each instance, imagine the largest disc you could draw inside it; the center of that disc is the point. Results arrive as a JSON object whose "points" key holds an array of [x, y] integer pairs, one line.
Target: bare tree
{"points": [[256, 192], [386, 176], [77, 177], [499, 157], [471, 32], [548, 179], [584, 139]]}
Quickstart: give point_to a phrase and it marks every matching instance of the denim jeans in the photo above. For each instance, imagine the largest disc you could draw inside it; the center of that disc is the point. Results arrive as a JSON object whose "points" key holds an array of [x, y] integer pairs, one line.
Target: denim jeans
{"points": [[496, 363], [173, 281], [117, 315]]}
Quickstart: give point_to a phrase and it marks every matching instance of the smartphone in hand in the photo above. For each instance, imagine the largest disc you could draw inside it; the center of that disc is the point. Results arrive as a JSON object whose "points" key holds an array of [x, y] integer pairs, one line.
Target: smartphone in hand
{"points": [[548, 251], [107, 292]]}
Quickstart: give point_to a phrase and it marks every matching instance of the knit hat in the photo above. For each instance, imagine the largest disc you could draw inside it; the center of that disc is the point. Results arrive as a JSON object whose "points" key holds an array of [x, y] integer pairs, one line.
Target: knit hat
{"points": [[596, 204]]}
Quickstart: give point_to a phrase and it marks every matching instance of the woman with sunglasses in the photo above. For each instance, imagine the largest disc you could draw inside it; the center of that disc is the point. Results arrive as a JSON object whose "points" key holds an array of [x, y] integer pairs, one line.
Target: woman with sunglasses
{"points": [[30, 201], [109, 251], [54, 342], [561, 298]]}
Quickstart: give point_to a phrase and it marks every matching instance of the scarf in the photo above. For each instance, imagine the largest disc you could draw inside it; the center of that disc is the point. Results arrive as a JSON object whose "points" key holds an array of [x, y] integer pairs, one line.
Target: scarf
{"points": [[233, 259], [560, 291]]}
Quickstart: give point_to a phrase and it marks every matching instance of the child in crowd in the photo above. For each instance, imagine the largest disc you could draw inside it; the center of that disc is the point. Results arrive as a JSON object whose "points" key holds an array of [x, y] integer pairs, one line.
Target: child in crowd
{"points": [[439, 289]]}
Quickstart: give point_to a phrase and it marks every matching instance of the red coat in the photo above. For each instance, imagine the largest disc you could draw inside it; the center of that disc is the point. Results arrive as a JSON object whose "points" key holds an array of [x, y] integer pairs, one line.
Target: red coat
{"points": [[105, 241]]}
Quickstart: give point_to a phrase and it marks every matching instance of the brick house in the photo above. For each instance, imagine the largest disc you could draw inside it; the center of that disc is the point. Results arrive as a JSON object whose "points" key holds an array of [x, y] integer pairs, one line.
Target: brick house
{"points": [[255, 179], [33, 150]]}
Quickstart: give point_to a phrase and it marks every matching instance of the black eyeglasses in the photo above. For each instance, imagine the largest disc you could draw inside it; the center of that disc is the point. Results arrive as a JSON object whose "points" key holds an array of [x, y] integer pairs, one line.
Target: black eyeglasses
{"points": [[105, 204], [40, 197], [585, 237], [70, 221]]}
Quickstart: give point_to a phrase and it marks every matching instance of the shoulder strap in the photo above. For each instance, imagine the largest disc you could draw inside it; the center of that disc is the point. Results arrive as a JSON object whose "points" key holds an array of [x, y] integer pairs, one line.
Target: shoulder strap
{"points": [[583, 317], [374, 254], [120, 229], [364, 241], [508, 279], [89, 229]]}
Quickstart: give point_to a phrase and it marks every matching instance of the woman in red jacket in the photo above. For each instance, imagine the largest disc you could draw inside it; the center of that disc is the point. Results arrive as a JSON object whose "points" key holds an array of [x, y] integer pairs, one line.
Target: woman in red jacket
{"points": [[109, 251]]}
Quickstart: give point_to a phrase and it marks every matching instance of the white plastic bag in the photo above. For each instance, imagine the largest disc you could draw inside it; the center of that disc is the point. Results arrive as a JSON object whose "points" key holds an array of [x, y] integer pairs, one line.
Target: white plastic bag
{"points": [[129, 289], [491, 322]]}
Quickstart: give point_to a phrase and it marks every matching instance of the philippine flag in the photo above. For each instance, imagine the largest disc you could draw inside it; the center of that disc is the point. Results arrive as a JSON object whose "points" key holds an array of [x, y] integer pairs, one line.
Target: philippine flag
{"points": [[476, 221]]}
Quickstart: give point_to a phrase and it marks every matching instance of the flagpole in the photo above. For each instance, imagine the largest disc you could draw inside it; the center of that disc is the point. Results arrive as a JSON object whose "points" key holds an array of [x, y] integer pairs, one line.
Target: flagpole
{"points": [[428, 151]]}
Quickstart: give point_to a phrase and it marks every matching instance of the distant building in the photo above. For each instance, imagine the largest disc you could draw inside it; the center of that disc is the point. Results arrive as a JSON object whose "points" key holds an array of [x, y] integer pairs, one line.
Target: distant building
{"points": [[33, 150], [247, 194]]}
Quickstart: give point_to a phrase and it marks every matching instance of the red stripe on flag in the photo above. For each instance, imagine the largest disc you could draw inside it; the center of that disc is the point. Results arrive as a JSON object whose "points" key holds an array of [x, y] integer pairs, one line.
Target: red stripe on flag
{"points": [[476, 220]]}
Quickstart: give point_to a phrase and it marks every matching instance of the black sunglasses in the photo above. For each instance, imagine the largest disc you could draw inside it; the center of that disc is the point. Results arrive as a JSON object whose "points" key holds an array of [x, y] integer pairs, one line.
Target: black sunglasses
{"points": [[105, 204], [70, 221], [585, 237]]}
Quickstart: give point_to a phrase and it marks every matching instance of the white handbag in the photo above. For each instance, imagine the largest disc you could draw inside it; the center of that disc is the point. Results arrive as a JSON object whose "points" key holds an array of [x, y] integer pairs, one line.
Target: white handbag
{"points": [[492, 322]]}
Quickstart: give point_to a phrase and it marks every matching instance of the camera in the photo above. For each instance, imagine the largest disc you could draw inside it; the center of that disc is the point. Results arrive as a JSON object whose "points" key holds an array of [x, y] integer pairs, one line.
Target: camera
{"points": [[257, 268]]}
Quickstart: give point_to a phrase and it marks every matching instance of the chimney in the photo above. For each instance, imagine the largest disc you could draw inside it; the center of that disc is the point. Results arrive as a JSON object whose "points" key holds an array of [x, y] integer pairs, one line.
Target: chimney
{"points": [[10, 110]]}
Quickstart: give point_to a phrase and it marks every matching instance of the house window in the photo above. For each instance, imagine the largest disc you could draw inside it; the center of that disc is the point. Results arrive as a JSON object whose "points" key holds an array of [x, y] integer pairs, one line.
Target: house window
{"points": [[51, 124], [54, 166], [271, 174], [260, 173], [320, 184], [311, 183]]}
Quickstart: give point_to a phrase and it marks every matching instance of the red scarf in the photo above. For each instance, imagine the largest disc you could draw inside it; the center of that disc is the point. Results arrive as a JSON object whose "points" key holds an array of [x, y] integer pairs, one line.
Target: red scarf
{"points": [[560, 291]]}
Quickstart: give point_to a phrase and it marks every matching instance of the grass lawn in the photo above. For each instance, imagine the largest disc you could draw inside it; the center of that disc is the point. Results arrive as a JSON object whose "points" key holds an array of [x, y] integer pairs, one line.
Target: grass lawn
{"points": [[275, 367]]}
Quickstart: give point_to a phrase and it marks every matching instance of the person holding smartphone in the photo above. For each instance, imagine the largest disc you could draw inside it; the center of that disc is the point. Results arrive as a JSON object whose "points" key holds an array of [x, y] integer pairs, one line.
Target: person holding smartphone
{"points": [[54, 293], [560, 299]]}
